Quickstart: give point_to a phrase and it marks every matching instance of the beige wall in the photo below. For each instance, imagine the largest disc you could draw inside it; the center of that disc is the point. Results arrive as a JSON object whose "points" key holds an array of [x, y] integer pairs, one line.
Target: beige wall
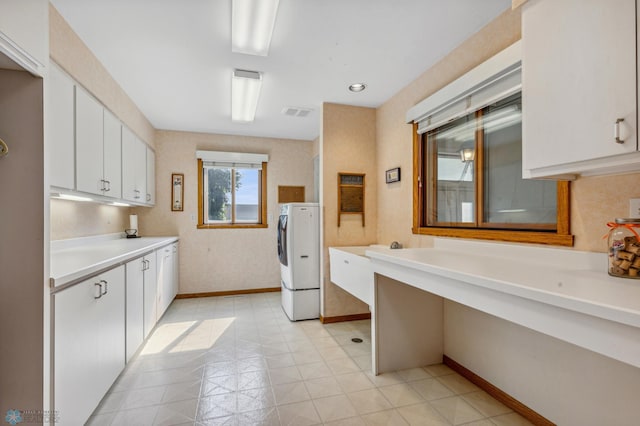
{"points": [[347, 144], [223, 259], [567, 384], [71, 219]]}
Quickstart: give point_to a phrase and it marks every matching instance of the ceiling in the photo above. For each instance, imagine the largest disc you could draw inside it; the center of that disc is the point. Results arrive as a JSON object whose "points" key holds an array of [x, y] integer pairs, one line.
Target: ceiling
{"points": [[174, 59]]}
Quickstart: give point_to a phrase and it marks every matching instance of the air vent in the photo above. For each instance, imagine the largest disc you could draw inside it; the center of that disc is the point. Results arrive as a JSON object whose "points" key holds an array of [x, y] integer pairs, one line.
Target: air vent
{"points": [[296, 111]]}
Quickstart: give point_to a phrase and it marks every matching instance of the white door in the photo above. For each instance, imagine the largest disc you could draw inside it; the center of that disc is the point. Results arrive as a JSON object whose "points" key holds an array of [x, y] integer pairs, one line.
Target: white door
{"points": [[151, 177], [112, 151], [89, 136], [176, 271], [579, 78], [61, 129], [111, 311], [135, 306], [140, 159], [165, 278], [150, 294], [89, 344], [76, 392]]}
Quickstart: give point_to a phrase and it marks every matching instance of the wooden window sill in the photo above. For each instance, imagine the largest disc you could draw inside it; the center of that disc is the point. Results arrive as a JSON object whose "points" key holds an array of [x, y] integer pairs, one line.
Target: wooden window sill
{"points": [[531, 237], [234, 226]]}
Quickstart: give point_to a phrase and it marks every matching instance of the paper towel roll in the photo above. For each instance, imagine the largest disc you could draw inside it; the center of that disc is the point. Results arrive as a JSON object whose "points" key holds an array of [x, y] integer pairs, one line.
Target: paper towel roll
{"points": [[133, 221]]}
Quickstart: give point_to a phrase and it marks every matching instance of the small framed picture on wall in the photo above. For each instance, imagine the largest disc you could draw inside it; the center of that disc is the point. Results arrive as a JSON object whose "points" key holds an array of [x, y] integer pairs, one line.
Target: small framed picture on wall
{"points": [[392, 175], [177, 192]]}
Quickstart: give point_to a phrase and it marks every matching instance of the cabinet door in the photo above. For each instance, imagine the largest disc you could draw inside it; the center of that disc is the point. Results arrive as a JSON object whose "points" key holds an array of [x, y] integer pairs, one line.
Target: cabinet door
{"points": [[89, 136], [128, 165], [112, 152], [61, 131], [165, 278], [111, 324], [140, 158], [150, 294], [579, 78], [151, 177], [76, 391], [134, 167], [135, 306], [176, 270]]}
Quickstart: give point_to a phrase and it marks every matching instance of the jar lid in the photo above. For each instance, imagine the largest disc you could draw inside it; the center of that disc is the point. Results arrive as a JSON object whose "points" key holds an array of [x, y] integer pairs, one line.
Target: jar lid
{"points": [[629, 220]]}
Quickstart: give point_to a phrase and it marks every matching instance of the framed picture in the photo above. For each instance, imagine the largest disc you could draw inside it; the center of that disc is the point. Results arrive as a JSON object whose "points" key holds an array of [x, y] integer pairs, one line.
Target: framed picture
{"points": [[177, 192], [392, 175]]}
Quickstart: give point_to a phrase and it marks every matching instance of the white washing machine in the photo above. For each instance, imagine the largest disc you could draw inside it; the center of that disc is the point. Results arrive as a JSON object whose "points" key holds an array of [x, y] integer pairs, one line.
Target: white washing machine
{"points": [[299, 254]]}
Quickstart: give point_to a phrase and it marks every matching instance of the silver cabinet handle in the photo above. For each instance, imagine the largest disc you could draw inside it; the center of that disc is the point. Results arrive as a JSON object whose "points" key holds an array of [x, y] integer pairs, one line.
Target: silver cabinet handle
{"points": [[137, 194], [108, 188], [148, 197], [106, 289], [99, 293], [616, 130], [346, 261]]}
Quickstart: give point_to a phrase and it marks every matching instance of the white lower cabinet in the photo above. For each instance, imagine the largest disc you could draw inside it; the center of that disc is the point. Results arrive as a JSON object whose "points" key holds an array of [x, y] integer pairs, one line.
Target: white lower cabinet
{"points": [[167, 277], [150, 293], [135, 305], [89, 345]]}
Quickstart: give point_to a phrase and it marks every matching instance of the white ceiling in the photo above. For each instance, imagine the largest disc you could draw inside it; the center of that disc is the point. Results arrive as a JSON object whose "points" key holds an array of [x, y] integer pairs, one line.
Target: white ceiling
{"points": [[173, 57]]}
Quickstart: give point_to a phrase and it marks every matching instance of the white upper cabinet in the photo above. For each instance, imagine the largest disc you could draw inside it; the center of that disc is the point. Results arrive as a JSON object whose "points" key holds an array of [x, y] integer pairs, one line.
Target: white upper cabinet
{"points": [[151, 177], [61, 130], [112, 150], [89, 142], [579, 87], [134, 167], [24, 33], [98, 148]]}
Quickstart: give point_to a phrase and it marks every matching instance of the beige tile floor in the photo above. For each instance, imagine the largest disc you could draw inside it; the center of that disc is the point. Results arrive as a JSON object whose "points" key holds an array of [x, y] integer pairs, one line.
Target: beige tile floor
{"points": [[240, 361]]}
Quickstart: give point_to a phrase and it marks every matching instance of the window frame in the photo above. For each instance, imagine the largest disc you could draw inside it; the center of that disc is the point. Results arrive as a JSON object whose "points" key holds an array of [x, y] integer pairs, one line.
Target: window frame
{"points": [[561, 236], [262, 208]]}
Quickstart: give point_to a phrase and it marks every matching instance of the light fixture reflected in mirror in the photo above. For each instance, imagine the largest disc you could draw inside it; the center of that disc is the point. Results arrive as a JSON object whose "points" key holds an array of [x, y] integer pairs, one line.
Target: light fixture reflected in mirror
{"points": [[467, 154]]}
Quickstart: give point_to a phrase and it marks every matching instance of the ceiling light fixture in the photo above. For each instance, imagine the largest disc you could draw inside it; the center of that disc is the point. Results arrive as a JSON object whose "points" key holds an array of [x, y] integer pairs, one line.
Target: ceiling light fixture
{"points": [[357, 87], [252, 25], [245, 91]]}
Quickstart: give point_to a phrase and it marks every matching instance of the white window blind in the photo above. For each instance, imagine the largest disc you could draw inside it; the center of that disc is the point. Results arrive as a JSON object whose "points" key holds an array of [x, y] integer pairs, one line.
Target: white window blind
{"points": [[495, 79], [238, 160]]}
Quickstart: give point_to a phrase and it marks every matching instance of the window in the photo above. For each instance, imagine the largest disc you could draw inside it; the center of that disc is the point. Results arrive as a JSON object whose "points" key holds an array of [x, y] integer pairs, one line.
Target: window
{"points": [[231, 194], [469, 181]]}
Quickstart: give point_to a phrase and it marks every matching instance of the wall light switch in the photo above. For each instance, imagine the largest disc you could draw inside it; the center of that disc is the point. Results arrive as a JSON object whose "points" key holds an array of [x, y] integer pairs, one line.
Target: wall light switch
{"points": [[193, 217], [634, 208]]}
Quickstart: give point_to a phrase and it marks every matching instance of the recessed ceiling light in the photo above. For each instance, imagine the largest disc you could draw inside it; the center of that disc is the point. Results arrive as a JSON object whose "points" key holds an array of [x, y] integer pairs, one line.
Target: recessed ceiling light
{"points": [[357, 87]]}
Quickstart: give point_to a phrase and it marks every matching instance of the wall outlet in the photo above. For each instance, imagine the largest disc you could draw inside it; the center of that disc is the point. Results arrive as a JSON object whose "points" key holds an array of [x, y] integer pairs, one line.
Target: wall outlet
{"points": [[193, 218], [634, 208]]}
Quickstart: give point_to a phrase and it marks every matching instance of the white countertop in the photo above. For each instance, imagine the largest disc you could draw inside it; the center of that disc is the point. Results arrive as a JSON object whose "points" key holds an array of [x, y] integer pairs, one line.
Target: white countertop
{"points": [[81, 257], [572, 280], [578, 289], [562, 293]]}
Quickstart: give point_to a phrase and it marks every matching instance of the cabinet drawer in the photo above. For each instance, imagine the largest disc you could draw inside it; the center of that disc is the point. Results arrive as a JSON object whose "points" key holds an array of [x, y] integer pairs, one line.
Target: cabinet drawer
{"points": [[352, 272]]}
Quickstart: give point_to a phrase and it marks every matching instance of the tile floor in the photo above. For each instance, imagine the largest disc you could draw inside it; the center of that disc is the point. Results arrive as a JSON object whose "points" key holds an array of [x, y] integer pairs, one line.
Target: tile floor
{"points": [[240, 361]]}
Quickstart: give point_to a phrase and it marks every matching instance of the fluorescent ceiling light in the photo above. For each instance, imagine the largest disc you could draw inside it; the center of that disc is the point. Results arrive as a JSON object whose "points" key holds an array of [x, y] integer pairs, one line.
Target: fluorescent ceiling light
{"points": [[245, 91], [252, 24]]}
